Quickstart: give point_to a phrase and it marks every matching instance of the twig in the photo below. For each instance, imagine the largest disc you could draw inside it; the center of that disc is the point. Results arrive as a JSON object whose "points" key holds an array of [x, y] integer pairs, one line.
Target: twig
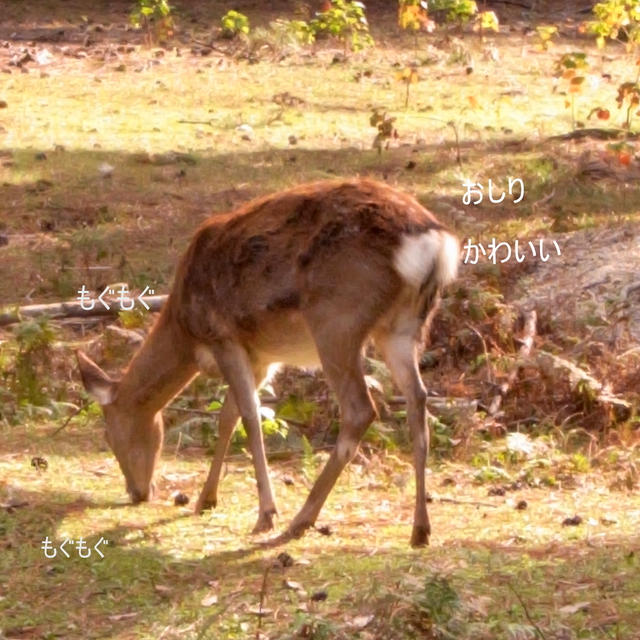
{"points": [[263, 594], [486, 352], [599, 134], [210, 45], [276, 117], [197, 412], [452, 124], [526, 613], [472, 503], [209, 122], [525, 350], [68, 420]]}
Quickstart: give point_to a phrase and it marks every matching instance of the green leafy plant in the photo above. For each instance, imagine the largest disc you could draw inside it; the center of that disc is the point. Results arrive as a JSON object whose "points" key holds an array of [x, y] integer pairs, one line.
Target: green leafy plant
{"points": [[409, 75], [459, 11], [616, 20], [486, 21], [298, 31], [234, 23], [308, 460], [346, 21], [571, 69], [545, 32], [34, 339], [154, 16], [412, 14]]}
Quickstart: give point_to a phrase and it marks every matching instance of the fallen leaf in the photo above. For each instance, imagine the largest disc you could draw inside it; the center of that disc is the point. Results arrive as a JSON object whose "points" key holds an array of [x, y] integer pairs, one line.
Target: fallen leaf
{"points": [[570, 609], [360, 622], [209, 600], [123, 616]]}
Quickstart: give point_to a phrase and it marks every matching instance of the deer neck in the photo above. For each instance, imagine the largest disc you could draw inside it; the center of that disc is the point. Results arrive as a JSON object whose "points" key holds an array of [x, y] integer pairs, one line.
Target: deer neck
{"points": [[161, 368]]}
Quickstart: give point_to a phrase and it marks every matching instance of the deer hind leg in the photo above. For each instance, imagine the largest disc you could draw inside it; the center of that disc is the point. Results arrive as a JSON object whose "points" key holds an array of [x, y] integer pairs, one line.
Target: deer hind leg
{"points": [[241, 375], [227, 421], [398, 346], [342, 364]]}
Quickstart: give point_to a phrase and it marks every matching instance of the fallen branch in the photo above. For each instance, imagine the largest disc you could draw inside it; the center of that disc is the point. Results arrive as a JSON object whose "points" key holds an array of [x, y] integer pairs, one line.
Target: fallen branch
{"points": [[584, 383], [472, 503], [72, 309], [525, 350], [599, 134], [526, 612]]}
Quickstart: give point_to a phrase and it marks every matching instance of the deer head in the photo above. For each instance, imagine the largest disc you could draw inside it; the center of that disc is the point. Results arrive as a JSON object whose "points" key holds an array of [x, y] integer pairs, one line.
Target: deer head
{"points": [[133, 431]]}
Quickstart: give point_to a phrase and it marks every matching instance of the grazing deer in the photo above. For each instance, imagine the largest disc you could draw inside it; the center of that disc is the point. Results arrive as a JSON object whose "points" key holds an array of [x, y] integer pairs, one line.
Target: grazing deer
{"points": [[301, 276]]}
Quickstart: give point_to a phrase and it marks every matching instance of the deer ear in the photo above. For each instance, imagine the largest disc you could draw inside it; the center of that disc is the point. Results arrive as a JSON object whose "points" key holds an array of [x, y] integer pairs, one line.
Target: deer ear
{"points": [[95, 380]]}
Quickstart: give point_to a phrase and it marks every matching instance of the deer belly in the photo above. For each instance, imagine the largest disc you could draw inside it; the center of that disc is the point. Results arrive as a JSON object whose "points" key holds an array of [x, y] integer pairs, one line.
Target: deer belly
{"points": [[284, 338]]}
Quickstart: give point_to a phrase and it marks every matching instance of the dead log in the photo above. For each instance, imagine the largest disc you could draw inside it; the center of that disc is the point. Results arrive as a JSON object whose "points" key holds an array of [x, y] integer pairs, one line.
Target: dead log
{"points": [[584, 383], [72, 309]]}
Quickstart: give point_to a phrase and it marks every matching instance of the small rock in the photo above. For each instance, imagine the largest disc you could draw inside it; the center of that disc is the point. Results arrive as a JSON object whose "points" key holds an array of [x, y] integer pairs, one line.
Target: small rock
{"points": [[496, 491], [521, 505], [285, 559], [319, 596], [105, 170], [572, 522], [324, 530], [44, 56]]}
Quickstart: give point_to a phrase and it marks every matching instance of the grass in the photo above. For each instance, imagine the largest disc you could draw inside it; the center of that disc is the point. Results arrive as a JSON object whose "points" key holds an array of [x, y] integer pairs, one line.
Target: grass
{"points": [[504, 567], [491, 571]]}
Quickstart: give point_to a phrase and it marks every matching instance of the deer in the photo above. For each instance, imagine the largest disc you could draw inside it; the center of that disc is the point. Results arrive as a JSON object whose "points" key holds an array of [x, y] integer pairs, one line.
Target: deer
{"points": [[308, 277]]}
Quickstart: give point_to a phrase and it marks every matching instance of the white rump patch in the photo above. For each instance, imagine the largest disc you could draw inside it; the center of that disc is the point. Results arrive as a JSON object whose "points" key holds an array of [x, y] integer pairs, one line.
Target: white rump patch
{"points": [[419, 255], [448, 258]]}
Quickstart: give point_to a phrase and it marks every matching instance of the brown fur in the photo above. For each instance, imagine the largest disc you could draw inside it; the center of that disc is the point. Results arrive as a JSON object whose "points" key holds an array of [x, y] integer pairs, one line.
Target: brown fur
{"points": [[287, 250], [289, 277]]}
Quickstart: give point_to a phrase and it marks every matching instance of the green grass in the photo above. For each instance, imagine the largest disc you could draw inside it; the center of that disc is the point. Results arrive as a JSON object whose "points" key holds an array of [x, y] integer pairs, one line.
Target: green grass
{"points": [[162, 563], [491, 571]]}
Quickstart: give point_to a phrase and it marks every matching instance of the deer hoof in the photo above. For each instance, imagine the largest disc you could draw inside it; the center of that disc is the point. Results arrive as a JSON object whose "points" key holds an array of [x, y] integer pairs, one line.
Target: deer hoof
{"points": [[265, 522], [420, 536], [204, 505]]}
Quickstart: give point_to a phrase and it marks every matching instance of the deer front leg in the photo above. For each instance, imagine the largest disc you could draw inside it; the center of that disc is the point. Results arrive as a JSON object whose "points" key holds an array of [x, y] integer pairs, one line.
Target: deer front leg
{"points": [[227, 421], [237, 369]]}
